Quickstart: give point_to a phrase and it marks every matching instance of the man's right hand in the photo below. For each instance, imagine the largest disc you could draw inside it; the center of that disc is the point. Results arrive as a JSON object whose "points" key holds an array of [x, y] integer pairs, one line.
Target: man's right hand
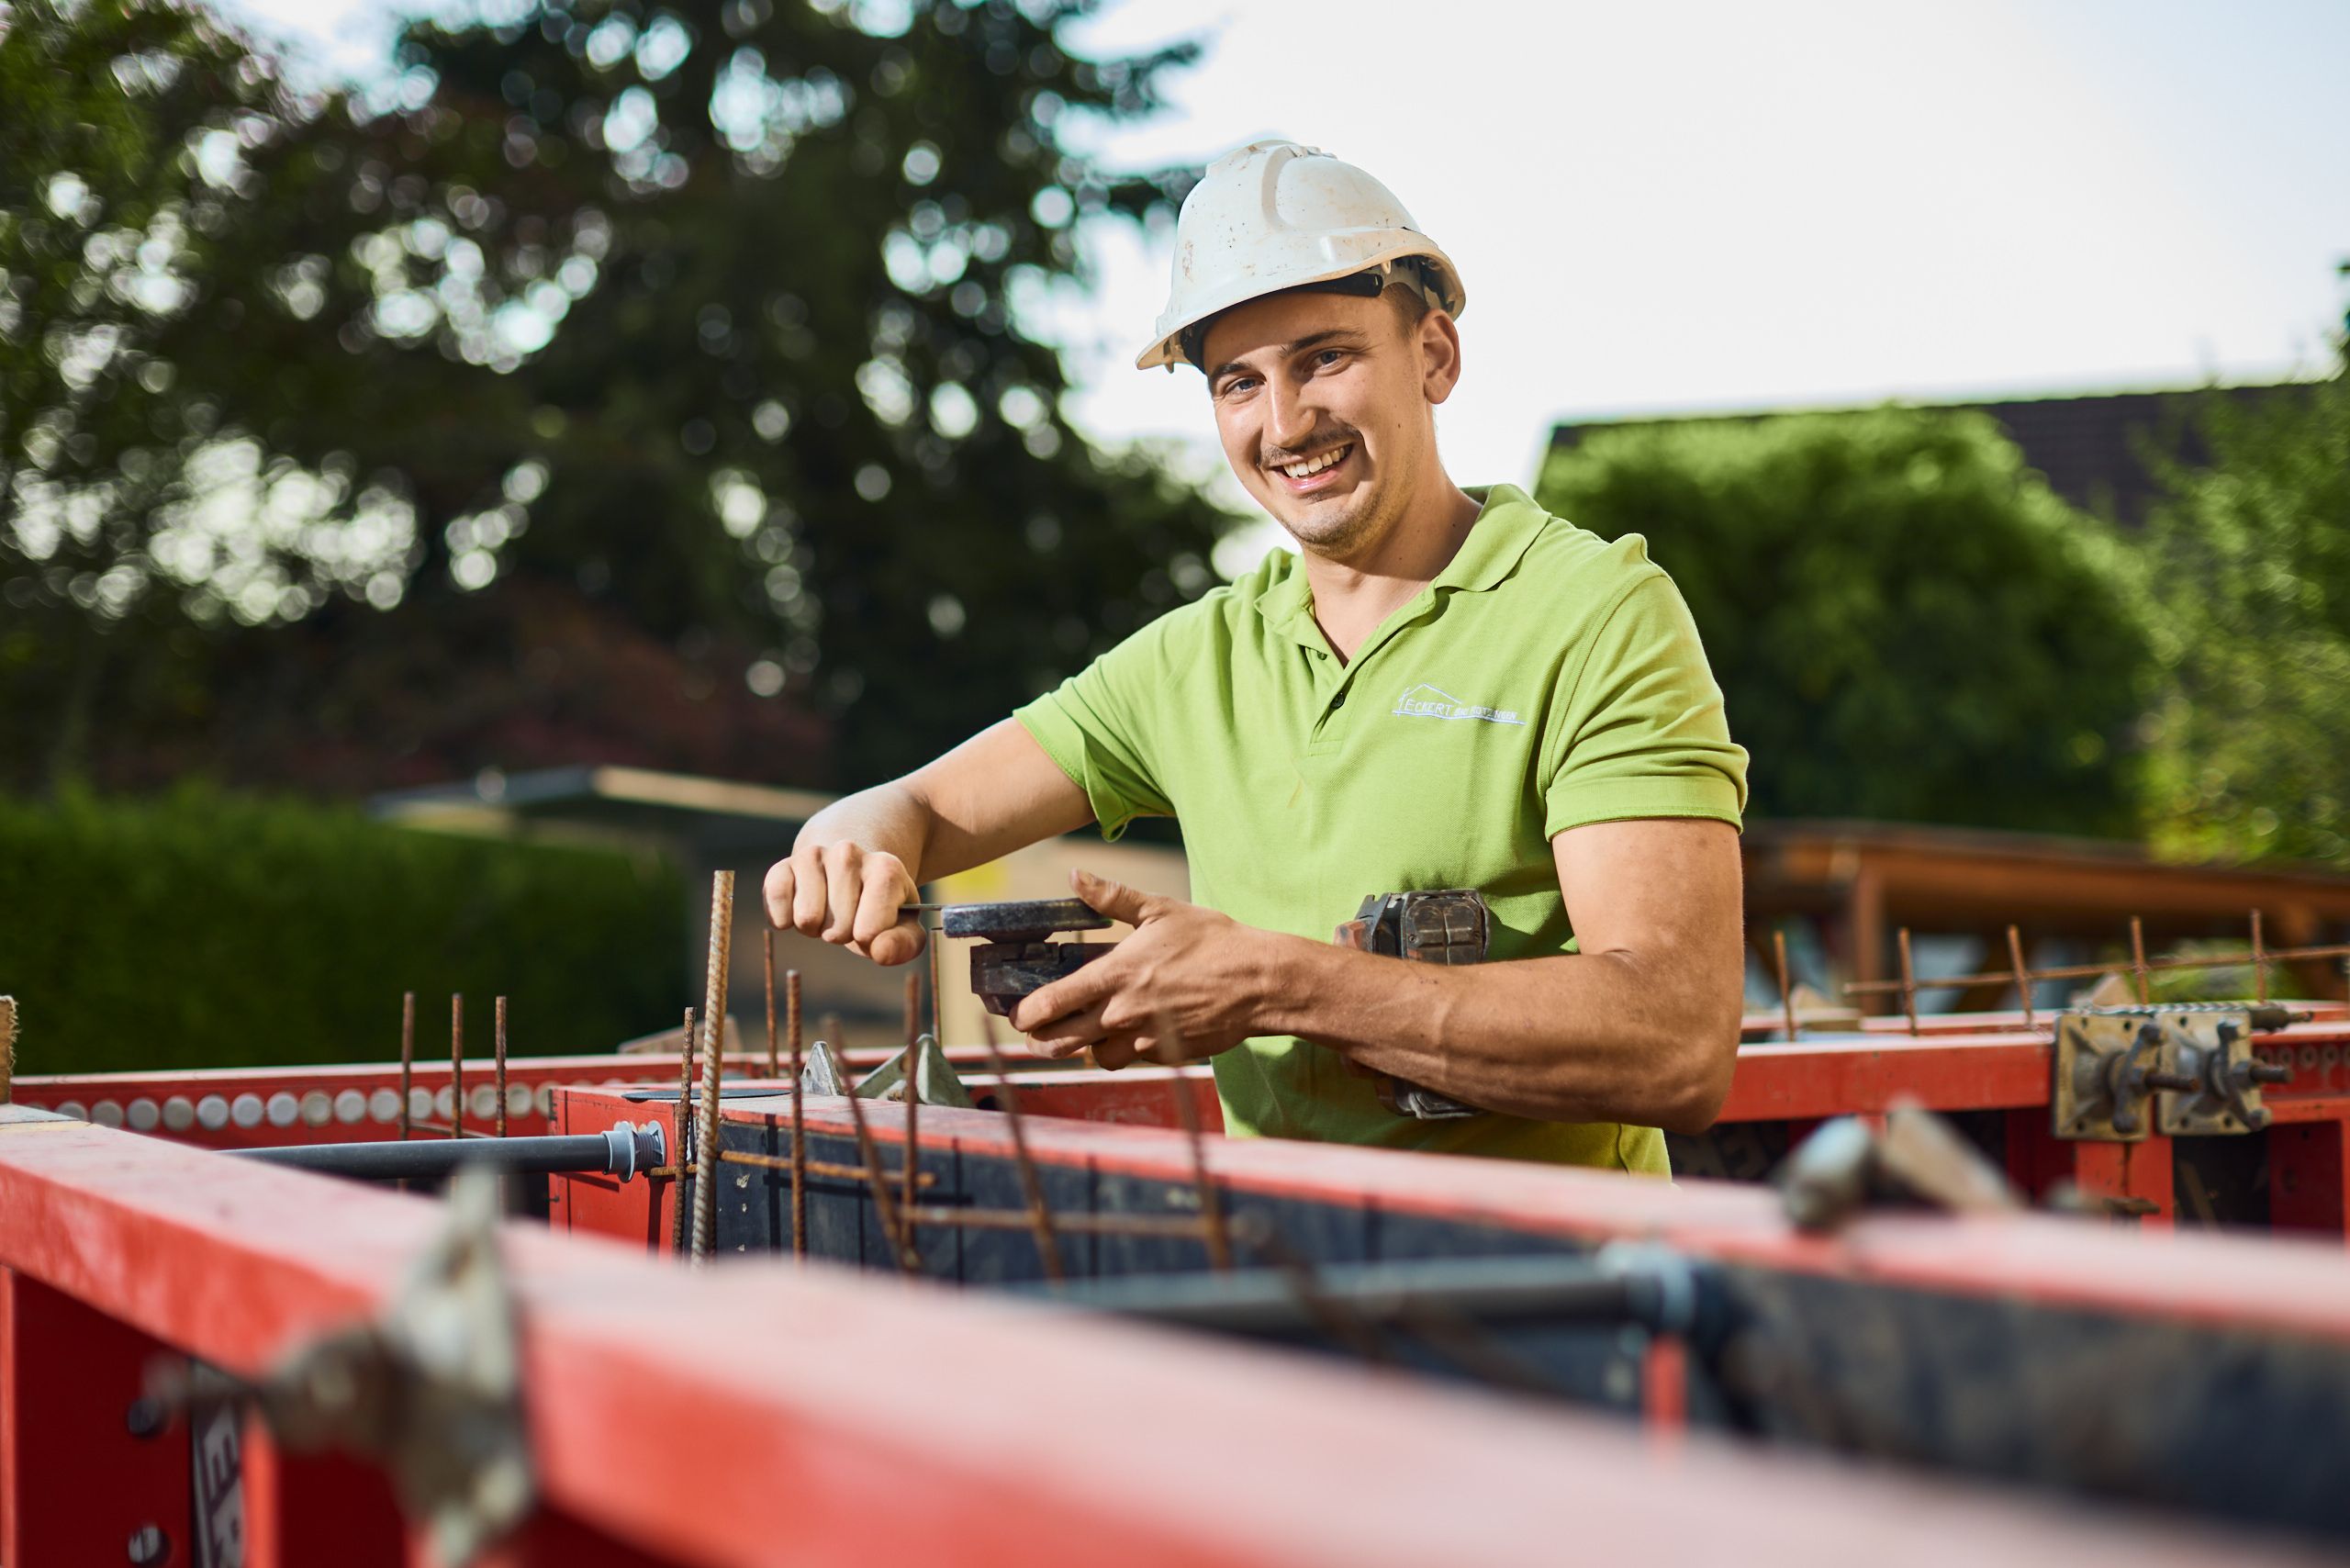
{"points": [[850, 896]]}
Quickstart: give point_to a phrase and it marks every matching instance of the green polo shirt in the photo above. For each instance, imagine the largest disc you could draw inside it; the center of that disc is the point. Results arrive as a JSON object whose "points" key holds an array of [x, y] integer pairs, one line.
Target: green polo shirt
{"points": [[1546, 680]]}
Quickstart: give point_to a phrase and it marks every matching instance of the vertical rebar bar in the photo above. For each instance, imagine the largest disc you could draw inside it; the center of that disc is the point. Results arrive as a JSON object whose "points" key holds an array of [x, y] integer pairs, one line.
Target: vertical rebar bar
{"points": [[913, 1093], [1908, 983], [799, 1120], [2023, 975], [875, 1180], [407, 1057], [1032, 1186], [937, 1028], [501, 1067], [1219, 1239], [7, 1049], [766, 963], [456, 1066], [680, 1224], [2138, 959], [2259, 962], [1786, 993], [713, 1057]]}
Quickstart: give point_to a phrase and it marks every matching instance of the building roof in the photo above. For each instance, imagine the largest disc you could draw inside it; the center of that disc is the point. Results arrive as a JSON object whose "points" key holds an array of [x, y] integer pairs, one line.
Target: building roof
{"points": [[2088, 446]]}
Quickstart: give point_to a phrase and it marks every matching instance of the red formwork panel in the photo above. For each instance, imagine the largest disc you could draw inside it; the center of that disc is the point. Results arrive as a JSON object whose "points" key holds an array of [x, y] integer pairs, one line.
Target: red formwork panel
{"points": [[2198, 1276], [2003, 1069], [763, 1413]]}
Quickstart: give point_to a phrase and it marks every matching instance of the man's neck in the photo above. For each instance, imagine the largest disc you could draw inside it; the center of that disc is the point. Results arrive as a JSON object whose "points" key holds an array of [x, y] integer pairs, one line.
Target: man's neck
{"points": [[1354, 595]]}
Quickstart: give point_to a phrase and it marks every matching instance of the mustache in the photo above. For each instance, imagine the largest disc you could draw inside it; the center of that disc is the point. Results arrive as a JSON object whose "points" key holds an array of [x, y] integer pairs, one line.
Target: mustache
{"points": [[1320, 441]]}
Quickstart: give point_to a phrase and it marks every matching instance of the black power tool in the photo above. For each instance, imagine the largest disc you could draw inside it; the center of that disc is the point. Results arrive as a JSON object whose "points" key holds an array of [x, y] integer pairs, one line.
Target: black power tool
{"points": [[1013, 958]]}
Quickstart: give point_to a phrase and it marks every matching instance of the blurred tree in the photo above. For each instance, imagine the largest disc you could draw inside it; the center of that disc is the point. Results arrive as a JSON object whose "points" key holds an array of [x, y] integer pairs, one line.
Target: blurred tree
{"points": [[1904, 622], [2246, 572], [700, 316]]}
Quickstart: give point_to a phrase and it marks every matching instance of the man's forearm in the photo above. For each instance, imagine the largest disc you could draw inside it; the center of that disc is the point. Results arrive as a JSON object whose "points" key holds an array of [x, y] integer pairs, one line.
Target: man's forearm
{"points": [[1603, 1036], [889, 818]]}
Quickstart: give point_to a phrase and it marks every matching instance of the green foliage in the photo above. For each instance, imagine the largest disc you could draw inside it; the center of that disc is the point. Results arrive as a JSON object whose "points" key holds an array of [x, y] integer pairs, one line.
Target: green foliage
{"points": [[2245, 573], [701, 314], [202, 930], [1906, 623]]}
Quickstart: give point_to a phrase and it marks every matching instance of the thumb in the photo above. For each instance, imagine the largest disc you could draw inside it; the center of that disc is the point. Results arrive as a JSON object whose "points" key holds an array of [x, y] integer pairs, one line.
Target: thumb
{"points": [[1115, 900]]}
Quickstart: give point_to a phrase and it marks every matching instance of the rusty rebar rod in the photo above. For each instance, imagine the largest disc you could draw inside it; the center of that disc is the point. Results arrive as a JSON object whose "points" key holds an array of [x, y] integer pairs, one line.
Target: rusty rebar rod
{"points": [[456, 1066], [7, 1049], [814, 1167], [713, 1060], [878, 1182], [407, 1057], [501, 1067], [2259, 963], [2023, 975], [2092, 972], [912, 1087], [1219, 1244], [1786, 993], [767, 965], [1908, 983], [937, 1028], [1174, 1228], [799, 1120], [680, 1223], [2138, 959], [1032, 1186]]}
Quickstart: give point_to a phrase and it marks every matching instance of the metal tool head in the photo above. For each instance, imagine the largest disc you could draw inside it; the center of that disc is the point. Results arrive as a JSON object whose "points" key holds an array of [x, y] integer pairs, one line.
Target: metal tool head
{"points": [[1020, 920]]}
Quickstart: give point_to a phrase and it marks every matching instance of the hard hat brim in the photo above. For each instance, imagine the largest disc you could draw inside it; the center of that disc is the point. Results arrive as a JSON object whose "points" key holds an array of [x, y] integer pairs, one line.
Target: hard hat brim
{"points": [[1166, 349]]}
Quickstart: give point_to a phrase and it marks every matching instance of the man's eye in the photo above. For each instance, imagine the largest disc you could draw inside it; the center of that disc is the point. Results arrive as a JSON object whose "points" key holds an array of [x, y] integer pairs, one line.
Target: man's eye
{"points": [[1328, 357], [1239, 384]]}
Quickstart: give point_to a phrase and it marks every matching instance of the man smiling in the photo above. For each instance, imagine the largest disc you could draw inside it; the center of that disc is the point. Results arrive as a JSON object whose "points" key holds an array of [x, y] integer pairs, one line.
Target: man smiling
{"points": [[1442, 688]]}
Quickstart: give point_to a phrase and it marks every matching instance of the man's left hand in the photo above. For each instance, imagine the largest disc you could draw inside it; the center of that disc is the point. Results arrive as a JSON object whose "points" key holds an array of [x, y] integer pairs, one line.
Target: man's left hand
{"points": [[1182, 987]]}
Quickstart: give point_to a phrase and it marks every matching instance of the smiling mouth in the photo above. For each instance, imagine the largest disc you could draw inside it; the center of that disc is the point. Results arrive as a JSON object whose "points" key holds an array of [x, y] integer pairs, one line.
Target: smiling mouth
{"points": [[1310, 467]]}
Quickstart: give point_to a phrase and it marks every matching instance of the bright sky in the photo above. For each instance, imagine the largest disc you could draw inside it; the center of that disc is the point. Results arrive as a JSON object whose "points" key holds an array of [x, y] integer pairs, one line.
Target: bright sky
{"points": [[1672, 205]]}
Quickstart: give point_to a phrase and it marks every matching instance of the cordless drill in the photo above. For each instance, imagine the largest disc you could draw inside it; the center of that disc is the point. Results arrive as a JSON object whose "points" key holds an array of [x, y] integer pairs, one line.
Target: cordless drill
{"points": [[1450, 926]]}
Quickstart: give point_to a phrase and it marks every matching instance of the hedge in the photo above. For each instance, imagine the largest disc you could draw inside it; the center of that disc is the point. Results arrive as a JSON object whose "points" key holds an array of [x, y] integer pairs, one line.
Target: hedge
{"points": [[207, 930]]}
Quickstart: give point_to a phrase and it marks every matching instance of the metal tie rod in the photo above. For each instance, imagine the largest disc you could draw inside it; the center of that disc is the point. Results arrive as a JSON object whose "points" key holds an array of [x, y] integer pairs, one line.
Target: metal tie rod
{"points": [[621, 1151], [1643, 1287]]}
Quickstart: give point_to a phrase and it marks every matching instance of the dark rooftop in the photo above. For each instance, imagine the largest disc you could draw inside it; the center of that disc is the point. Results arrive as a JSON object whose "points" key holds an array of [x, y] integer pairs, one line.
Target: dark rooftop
{"points": [[2088, 447]]}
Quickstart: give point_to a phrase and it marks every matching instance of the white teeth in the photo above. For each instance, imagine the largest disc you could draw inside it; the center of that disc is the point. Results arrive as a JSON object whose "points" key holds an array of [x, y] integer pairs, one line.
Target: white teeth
{"points": [[1306, 470]]}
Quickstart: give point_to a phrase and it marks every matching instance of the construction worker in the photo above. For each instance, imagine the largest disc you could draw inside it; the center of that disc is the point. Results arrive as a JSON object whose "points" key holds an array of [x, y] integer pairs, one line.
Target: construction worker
{"points": [[1440, 689]]}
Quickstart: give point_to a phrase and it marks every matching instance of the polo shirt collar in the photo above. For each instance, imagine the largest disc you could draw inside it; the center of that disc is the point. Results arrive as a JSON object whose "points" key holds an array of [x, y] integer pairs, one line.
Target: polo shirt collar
{"points": [[1507, 520]]}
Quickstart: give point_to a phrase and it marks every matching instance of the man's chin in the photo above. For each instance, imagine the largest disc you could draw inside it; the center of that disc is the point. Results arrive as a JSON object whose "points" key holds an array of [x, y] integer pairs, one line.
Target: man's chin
{"points": [[1318, 523]]}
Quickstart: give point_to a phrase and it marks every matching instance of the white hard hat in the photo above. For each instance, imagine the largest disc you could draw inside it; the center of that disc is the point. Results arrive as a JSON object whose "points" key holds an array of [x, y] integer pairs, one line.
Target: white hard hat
{"points": [[1276, 216]]}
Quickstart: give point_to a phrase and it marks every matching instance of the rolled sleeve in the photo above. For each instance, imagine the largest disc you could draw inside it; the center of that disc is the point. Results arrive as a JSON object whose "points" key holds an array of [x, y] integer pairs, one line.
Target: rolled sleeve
{"points": [[1642, 732]]}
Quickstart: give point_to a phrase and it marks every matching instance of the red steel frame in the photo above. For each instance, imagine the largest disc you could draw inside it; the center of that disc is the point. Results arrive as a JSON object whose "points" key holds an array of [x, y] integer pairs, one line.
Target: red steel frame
{"points": [[1975, 1062], [761, 1413]]}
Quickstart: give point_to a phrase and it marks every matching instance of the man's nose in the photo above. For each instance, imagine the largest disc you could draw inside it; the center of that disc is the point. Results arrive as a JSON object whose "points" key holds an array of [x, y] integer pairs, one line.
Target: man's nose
{"points": [[1292, 418]]}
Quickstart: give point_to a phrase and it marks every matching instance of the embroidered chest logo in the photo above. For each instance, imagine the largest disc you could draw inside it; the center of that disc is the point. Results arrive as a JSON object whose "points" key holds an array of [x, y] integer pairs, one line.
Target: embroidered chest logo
{"points": [[1426, 701]]}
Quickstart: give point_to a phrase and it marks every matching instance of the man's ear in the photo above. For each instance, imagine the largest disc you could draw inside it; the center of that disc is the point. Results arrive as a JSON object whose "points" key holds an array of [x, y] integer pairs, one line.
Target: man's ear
{"points": [[1439, 345]]}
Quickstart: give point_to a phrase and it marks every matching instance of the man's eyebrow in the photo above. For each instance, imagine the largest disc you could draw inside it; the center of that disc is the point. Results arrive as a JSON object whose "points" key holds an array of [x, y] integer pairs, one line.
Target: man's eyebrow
{"points": [[1311, 340]]}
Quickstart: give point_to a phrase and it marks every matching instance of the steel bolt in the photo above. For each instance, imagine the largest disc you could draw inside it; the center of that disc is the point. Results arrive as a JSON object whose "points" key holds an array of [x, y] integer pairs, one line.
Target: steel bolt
{"points": [[2268, 1072], [146, 1418], [149, 1544]]}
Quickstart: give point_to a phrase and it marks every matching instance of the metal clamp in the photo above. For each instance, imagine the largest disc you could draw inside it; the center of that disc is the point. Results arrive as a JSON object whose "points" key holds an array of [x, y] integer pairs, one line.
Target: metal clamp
{"points": [[2119, 1075], [433, 1390]]}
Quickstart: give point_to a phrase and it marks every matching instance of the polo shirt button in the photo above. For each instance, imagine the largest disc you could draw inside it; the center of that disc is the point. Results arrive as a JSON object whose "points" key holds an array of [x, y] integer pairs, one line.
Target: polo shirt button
{"points": [[1339, 700]]}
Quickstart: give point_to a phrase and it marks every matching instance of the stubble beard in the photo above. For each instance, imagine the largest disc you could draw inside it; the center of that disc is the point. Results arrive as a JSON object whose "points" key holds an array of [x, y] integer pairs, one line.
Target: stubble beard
{"points": [[1342, 530]]}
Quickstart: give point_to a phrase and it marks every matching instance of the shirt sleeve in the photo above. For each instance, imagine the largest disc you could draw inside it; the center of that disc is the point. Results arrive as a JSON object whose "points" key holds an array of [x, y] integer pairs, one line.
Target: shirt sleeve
{"points": [[1096, 726], [1640, 730]]}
